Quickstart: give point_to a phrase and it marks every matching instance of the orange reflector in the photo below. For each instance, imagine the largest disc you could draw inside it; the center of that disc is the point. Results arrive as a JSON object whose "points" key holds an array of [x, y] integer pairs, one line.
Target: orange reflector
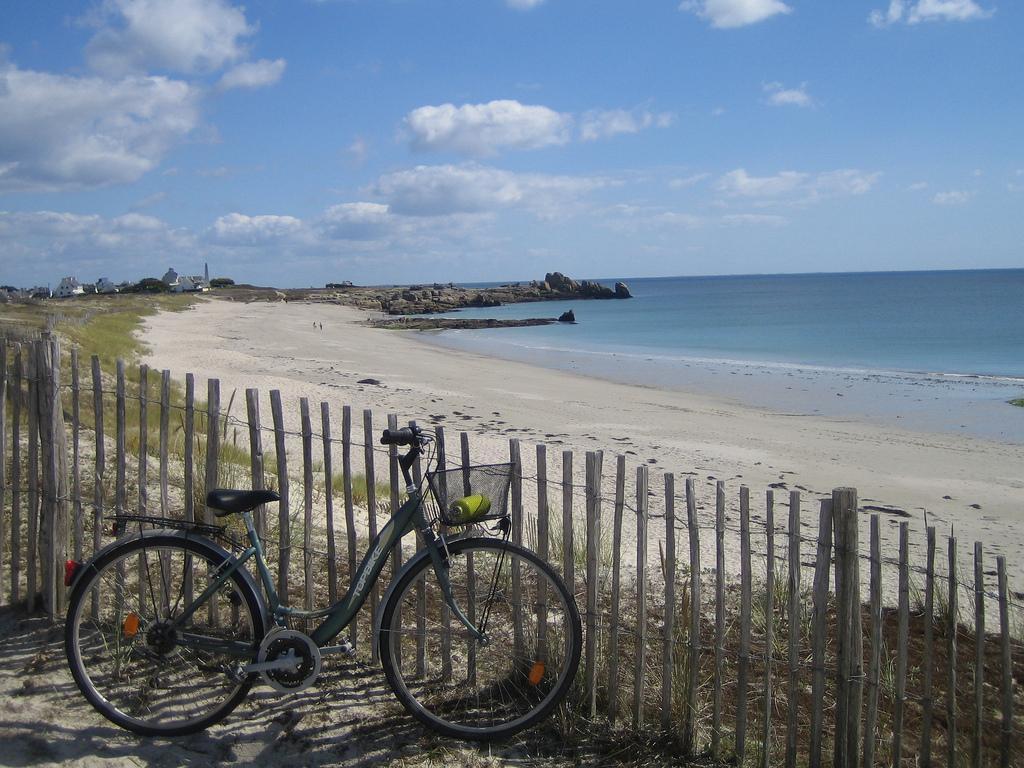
{"points": [[536, 673], [131, 625]]}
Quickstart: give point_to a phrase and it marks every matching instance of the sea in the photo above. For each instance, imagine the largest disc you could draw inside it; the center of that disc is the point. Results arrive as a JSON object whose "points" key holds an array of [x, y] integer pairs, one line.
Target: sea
{"points": [[939, 351]]}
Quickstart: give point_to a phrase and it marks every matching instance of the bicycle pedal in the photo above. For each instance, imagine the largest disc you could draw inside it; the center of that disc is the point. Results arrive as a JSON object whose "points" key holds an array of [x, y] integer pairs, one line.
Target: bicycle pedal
{"points": [[347, 649]]}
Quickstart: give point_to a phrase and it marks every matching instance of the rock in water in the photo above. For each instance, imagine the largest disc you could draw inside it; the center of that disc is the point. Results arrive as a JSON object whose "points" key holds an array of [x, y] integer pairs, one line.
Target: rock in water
{"points": [[622, 291], [567, 317]]}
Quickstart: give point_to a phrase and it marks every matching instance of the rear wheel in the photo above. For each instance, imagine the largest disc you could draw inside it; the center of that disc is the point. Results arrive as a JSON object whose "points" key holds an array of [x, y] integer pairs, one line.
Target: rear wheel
{"points": [[131, 658], [473, 689]]}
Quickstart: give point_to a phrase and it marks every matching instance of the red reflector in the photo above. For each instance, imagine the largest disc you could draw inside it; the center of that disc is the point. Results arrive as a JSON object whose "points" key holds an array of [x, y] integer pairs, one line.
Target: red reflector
{"points": [[70, 571]]}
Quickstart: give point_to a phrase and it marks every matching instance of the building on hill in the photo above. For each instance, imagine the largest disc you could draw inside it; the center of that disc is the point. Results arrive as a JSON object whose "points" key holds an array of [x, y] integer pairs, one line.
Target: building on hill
{"points": [[185, 283], [190, 284], [104, 285], [68, 287]]}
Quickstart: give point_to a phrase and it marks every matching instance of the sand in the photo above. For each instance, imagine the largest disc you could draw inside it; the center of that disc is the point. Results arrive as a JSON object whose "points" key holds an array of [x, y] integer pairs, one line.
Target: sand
{"points": [[350, 717], [972, 484]]}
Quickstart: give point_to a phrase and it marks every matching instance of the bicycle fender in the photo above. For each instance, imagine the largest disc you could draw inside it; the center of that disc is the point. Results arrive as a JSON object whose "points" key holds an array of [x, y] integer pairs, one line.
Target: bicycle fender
{"points": [[211, 546]]}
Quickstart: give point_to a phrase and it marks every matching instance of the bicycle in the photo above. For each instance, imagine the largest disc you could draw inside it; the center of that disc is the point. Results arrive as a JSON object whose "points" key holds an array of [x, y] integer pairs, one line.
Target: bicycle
{"points": [[167, 630]]}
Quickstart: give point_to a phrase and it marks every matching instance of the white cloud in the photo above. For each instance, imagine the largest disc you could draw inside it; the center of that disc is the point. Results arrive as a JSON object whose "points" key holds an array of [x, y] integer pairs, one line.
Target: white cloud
{"points": [[794, 186], [64, 132], [88, 245], [918, 186], [688, 181], [356, 221], [253, 74], [739, 183], [953, 197], [183, 36], [754, 219], [138, 222], [603, 124], [239, 229], [523, 5], [728, 14], [443, 190], [929, 10], [638, 219], [483, 129], [779, 96], [358, 151]]}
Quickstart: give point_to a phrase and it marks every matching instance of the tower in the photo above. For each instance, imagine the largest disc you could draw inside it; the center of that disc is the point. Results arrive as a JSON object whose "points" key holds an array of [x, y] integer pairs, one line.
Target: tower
{"points": [[206, 273]]}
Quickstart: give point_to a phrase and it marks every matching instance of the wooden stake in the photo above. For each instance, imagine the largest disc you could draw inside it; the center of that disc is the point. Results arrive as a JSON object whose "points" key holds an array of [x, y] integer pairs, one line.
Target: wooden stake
{"points": [[252, 409], [927, 696], [821, 583], [350, 512], [716, 706], [1006, 734], [307, 505], [568, 555], [794, 627], [668, 630], [901, 646], [332, 546], [284, 534], [76, 478], [613, 638], [371, 510], [641, 597], [165, 440], [769, 625], [689, 745], [143, 458], [874, 665], [979, 653], [951, 630], [745, 608]]}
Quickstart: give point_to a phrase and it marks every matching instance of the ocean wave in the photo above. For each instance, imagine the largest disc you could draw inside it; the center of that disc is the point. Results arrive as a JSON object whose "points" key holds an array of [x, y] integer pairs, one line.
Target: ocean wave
{"points": [[475, 343]]}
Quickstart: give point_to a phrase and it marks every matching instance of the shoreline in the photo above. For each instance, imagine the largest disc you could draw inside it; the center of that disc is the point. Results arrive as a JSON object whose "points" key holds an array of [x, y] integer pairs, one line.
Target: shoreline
{"points": [[976, 405], [969, 483]]}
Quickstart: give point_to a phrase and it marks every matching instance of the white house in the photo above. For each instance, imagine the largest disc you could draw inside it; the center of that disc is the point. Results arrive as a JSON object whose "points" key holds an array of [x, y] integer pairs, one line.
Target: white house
{"points": [[69, 286], [104, 285], [184, 283]]}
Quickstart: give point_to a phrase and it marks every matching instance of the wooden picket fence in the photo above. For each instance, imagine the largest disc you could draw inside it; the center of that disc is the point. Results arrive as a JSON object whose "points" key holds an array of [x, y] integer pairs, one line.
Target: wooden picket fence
{"points": [[782, 663]]}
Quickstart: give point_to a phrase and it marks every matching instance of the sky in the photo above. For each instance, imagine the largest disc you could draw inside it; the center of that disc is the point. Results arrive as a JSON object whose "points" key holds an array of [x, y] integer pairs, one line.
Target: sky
{"points": [[299, 142]]}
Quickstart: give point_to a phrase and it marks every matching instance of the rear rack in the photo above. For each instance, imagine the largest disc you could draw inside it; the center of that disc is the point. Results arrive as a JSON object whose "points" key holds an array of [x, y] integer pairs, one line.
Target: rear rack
{"points": [[123, 521]]}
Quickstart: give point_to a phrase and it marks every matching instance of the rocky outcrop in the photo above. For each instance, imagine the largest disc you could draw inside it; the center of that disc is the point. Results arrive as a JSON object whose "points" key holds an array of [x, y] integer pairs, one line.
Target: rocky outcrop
{"points": [[567, 317], [438, 297], [449, 323]]}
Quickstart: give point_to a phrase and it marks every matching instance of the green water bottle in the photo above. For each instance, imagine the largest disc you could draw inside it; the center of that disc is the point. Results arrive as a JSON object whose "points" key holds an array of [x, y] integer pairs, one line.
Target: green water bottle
{"points": [[468, 509]]}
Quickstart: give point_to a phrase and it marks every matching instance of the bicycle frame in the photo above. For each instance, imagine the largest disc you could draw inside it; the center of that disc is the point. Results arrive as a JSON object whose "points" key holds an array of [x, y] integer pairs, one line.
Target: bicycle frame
{"points": [[340, 615]]}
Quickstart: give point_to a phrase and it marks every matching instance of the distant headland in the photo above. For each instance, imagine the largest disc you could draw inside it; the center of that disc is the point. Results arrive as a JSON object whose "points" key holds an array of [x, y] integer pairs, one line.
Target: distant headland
{"points": [[435, 298]]}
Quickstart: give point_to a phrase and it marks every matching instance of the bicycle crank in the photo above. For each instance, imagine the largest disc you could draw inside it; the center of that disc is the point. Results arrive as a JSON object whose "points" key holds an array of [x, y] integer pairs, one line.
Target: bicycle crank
{"points": [[289, 661]]}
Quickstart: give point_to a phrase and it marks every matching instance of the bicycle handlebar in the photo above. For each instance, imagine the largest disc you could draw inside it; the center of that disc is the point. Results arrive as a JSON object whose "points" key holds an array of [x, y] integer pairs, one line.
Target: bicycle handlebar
{"points": [[403, 436]]}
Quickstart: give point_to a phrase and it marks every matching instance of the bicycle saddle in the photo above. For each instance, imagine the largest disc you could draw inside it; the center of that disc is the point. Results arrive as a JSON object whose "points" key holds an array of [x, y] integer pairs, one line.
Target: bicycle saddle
{"points": [[226, 501]]}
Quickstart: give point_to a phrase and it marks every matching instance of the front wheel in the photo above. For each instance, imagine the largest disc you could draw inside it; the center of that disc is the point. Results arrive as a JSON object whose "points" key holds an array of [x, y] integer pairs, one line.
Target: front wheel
{"points": [[130, 651], [490, 689]]}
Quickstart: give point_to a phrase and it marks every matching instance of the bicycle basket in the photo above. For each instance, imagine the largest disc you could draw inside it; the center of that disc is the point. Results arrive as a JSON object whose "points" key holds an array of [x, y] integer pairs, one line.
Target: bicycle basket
{"points": [[467, 495]]}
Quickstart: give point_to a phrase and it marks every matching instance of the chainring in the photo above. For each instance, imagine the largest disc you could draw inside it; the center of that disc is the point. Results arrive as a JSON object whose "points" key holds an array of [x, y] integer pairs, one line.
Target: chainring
{"points": [[290, 643]]}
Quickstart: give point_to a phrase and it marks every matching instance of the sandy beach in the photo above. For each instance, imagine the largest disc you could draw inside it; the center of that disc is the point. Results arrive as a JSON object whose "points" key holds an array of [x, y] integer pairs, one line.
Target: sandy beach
{"points": [[971, 484]]}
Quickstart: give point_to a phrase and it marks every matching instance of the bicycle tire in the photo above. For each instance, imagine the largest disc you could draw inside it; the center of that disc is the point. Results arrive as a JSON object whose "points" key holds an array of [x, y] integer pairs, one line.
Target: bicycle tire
{"points": [[131, 669], [465, 689]]}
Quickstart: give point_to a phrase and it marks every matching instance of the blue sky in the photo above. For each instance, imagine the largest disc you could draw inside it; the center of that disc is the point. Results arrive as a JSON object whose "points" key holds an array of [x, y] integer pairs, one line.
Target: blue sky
{"points": [[293, 142]]}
